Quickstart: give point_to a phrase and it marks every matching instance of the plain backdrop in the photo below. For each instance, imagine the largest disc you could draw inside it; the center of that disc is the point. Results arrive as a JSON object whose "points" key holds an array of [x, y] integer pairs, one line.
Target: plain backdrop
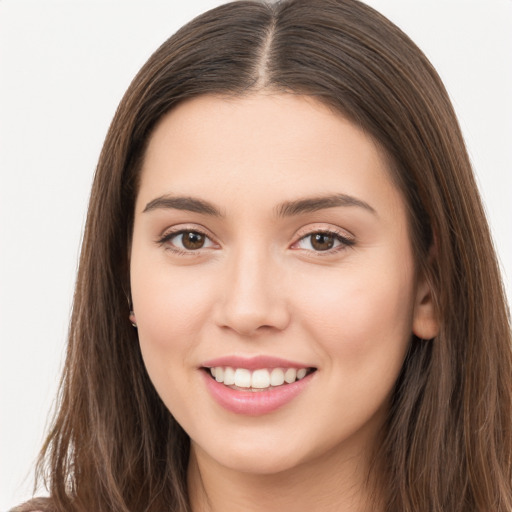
{"points": [[64, 66]]}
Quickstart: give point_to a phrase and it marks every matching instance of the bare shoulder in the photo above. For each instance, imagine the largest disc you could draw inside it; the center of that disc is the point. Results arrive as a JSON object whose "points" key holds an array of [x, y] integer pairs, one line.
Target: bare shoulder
{"points": [[35, 505]]}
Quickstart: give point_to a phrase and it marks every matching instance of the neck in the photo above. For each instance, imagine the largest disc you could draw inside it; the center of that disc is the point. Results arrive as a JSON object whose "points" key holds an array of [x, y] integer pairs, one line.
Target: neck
{"points": [[330, 485]]}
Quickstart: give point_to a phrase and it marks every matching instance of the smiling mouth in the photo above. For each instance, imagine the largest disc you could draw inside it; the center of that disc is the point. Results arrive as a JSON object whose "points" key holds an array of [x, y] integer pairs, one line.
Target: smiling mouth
{"points": [[263, 379]]}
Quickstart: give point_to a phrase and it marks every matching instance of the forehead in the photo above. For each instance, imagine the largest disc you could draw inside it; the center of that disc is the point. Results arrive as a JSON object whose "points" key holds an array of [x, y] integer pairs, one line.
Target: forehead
{"points": [[276, 146]]}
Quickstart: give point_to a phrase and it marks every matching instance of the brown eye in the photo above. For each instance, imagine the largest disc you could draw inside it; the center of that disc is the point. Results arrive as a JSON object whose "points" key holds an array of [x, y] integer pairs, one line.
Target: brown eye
{"points": [[192, 240], [322, 241], [186, 241]]}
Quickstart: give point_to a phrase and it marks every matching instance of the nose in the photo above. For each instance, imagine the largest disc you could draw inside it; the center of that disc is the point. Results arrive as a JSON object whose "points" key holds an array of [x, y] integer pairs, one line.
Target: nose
{"points": [[253, 298]]}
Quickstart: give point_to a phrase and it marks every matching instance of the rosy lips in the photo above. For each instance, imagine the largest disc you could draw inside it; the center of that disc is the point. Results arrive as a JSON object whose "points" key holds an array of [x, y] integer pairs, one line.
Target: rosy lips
{"points": [[254, 403], [253, 362]]}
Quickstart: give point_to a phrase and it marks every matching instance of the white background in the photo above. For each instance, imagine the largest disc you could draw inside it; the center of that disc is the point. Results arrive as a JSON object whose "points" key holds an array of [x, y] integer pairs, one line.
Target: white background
{"points": [[64, 66]]}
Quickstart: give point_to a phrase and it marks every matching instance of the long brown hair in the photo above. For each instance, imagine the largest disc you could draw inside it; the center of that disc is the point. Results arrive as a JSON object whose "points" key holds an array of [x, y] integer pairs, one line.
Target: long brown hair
{"points": [[447, 445]]}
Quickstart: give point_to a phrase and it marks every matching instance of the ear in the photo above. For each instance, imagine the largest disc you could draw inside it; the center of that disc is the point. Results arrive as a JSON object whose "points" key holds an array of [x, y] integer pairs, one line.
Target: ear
{"points": [[425, 324], [132, 318]]}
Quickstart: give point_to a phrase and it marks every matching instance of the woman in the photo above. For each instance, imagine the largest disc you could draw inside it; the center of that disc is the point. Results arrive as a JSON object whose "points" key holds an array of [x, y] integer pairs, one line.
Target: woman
{"points": [[286, 277]]}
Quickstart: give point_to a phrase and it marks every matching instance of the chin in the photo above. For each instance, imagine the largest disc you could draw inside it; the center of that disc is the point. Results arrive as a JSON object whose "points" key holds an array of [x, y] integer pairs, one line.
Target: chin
{"points": [[252, 458]]}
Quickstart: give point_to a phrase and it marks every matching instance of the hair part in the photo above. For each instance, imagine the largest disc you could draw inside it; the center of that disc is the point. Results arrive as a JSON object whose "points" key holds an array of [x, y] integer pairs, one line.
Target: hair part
{"points": [[447, 444]]}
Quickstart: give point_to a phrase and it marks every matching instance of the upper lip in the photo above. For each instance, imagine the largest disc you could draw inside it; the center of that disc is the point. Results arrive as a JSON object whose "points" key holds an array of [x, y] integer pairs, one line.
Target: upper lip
{"points": [[253, 362]]}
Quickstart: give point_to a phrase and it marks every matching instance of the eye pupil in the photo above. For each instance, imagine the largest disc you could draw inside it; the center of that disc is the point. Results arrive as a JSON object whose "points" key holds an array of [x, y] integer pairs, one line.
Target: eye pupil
{"points": [[192, 240], [322, 241]]}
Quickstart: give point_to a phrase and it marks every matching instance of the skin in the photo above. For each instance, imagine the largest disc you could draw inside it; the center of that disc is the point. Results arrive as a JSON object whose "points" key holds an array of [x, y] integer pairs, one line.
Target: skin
{"points": [[259, 286]]}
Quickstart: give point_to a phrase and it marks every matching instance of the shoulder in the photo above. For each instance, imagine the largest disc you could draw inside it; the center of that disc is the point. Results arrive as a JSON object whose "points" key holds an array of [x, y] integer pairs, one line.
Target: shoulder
{"points": [[35, 505]]}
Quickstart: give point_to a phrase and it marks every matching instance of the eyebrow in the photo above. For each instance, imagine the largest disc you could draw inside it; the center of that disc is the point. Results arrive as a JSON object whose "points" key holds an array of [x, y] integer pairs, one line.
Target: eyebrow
{"points": [[313, 204], [190, 204], [286, 209]]}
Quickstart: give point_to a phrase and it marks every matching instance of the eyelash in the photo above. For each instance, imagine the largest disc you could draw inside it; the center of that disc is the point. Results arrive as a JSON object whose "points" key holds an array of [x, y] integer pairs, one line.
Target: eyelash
{"points": [[167, 237], [344, 241]]}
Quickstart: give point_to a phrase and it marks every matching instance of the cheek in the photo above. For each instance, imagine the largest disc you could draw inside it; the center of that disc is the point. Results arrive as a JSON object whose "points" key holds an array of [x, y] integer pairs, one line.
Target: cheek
{"points": [[167, 303], [362, 318], [171, 312], [170, 317]]}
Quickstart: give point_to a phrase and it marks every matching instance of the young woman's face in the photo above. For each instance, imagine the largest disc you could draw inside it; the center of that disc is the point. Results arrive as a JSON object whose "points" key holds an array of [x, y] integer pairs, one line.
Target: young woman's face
{"points": [[271, 248]]}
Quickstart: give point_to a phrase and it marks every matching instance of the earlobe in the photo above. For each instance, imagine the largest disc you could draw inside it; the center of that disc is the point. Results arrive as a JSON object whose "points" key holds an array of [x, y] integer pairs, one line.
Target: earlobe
{"points": [[425, 323], [132, 318]]}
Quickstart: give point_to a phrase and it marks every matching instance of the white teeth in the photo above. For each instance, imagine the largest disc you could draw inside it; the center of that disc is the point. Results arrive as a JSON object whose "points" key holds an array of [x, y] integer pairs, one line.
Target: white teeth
{"points": [[257, 379], [277, 377], [260, 379], [219, 374], [229, 376], [290, 375], [300, 374], [242, 378]]}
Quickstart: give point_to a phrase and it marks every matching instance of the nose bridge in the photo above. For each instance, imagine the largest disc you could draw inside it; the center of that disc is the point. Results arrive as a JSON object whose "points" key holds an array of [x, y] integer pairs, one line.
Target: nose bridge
{"points": [[253, 293]]}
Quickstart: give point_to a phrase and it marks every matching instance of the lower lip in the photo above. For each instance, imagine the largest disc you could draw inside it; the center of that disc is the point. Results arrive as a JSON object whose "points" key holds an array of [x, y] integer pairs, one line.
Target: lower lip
{"points": [[254, 403]]}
